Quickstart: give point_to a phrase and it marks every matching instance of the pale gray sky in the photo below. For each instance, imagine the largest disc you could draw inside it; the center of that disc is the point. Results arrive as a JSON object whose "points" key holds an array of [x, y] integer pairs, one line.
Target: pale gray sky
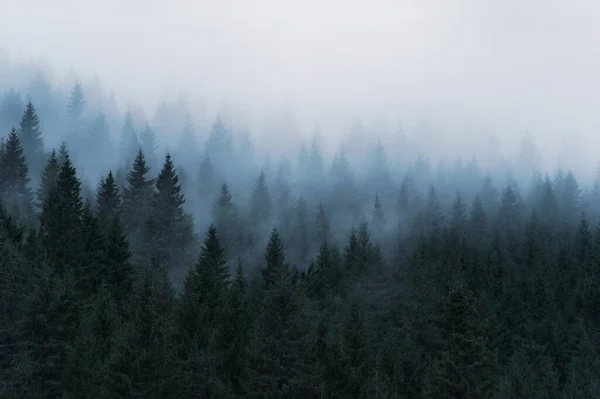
{"points": [[514, 63]]}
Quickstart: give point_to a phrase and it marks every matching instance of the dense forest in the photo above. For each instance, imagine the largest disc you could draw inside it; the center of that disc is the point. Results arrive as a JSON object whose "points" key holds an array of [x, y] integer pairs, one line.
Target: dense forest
{"points": [[201, 270]]}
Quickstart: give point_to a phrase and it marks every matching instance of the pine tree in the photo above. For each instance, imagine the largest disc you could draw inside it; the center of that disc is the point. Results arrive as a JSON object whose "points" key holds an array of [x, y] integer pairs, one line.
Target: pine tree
{"points": [[204, 291], [275, 264], [458, 216], [31, 138], [14, 179], [143, 361], [261, 202], [129, 144], [378, 216], [62, 153], [48, 179], [61, 220], [478, 221], [322, 225], [137, 201], [353, 360], [278, 361], [206, 179], [148, 146], [117, 272], [235, 333], [465, 358], [169, 231], [108, 199], [46, 328], [226, 222], [300, 232], [76, 103]]}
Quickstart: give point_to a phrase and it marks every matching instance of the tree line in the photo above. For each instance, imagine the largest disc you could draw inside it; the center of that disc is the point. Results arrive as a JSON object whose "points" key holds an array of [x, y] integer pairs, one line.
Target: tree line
{"points": [[442, 286]]}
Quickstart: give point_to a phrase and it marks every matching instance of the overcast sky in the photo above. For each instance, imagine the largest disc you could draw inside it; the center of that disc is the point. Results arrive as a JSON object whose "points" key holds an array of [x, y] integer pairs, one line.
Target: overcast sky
{"points": [[515, 63]]}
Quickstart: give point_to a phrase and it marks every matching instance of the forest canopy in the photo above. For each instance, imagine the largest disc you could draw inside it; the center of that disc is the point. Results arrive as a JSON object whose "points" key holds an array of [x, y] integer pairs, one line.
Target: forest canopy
{"points": [[201, 268]]}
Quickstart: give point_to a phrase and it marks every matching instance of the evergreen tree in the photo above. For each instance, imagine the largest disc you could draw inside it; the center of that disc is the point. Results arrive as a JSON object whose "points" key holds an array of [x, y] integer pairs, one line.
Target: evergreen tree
{"points": [[261, 202], [61, 220], [14, 179], [108, 199], [478, 221], [129, 144], [31, 138], [322, 225], [143, 360], [279, 362], [204, 290], [378, 216], [226, 221], [354, 354], [137, 201], [118, 272], [48, 179], [169, 230], [458, 217]]}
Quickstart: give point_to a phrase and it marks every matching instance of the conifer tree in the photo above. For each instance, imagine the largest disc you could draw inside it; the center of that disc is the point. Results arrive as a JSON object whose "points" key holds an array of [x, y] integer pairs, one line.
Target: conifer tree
{"points": [[62, 153], [61, 220], [143, 361], [322, 225], [46, 328], [108, 200], [478, 221], [279, 362], [300, 232], [169, 231], [89, 274], [14, 179], [261, 202], [354, 354], [48, 179], [378, 216], [148, 146], [76, 103], [465, 359], [235, 333], [137, 201], [117, 272], [458, 216], [204, 291], [205, 180], [226, 221], [31, 138], [129, 143]]}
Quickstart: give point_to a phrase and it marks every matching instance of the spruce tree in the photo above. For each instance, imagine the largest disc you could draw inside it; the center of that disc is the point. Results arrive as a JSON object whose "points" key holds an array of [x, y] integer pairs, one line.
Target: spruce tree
{"points": [[129, 143], [143, 361], [261, 202], [14, 179], [378, 216], [108, 200], [61, 220], [322, 225], [458, 216], [478, 221], [118, 273], [279, 364], [137, 201], [169, 230], [204, 291], [226, 221], [31, 138], [48, 179], [235, 333]]}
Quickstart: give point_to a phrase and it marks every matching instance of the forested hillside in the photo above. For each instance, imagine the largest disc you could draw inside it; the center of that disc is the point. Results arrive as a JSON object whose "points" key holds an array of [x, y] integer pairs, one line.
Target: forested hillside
{"points": [[200, 270]]}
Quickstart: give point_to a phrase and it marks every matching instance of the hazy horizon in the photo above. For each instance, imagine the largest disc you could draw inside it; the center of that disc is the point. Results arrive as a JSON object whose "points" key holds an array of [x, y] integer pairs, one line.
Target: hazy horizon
{"points": [[508, 66]]}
